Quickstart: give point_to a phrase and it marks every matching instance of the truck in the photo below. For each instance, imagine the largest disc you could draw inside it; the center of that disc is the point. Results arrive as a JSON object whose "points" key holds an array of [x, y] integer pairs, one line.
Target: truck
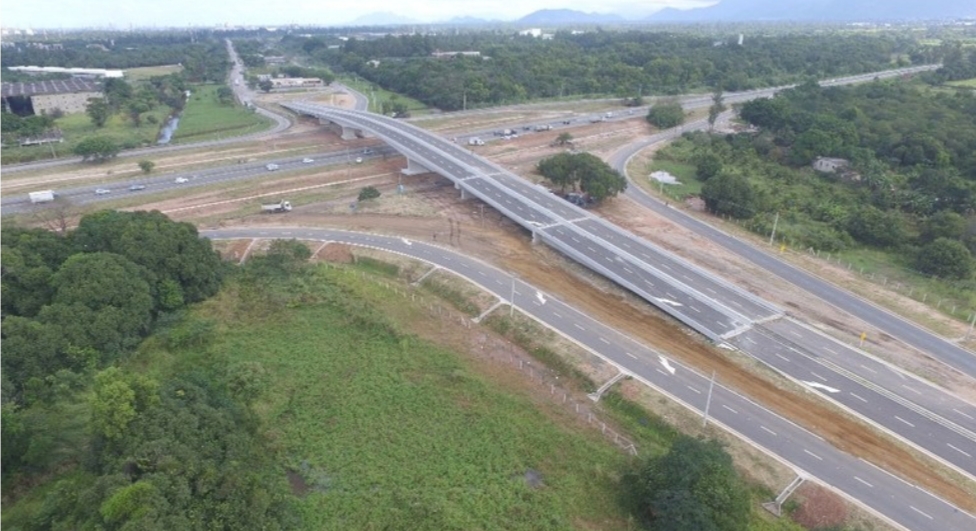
{"points": [[475, 141], [545, 127], [272, 166], [274, 208], [44, 196]]}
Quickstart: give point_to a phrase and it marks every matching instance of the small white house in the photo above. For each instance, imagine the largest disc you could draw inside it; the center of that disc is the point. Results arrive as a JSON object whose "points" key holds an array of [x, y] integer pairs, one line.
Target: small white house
{"points": [[831, 165]]}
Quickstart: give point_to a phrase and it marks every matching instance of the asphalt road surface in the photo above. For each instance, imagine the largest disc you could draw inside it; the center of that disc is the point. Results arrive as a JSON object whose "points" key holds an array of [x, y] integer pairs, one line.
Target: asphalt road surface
{"points": [[901, 503]]}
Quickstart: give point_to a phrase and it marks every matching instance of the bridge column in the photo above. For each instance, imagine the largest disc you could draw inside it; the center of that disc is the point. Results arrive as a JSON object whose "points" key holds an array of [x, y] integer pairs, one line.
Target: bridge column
{"points": [[345, 133], [414, 168]]}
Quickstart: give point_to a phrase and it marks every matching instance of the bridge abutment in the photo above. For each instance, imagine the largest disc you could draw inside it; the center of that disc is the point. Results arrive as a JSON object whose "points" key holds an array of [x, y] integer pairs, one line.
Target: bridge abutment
{"points": [[415, 168]]}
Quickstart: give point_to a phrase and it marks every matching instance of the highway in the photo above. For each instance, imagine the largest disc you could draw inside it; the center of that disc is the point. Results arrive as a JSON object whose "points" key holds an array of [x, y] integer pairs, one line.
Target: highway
{"points": [[19, 203], [938, 347], [904, 505], [720, 311]]}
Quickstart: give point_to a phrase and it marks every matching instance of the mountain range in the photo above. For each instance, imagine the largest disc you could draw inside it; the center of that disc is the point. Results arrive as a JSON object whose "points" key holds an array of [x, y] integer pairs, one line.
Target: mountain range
{"points": [[820, 10], [726, 11]]}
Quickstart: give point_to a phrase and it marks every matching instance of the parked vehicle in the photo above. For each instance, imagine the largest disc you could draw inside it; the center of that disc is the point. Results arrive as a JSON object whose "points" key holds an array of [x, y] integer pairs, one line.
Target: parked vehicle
{"points": [[359, 160], [137, 187], [181, 180], [44, 196], [546, 127], [307, 160], [272, 167], [475, 141], [274, 208], [102, 191]]}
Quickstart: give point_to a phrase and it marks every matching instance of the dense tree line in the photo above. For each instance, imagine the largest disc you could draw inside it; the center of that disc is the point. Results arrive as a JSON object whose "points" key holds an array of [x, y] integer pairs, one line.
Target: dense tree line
{"points": [[204, 58], [513, 68], [910, 186], [584, 173], [179, 450]]}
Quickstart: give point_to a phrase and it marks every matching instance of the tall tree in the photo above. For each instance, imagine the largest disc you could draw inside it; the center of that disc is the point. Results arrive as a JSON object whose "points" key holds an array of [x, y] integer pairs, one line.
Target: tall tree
{"points": [[717, 108], [99, 111], [693, 486]]}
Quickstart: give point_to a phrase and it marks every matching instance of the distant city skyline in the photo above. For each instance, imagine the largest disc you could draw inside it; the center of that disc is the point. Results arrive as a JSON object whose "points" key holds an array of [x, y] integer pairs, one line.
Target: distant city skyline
{"points": [[55, 14]]}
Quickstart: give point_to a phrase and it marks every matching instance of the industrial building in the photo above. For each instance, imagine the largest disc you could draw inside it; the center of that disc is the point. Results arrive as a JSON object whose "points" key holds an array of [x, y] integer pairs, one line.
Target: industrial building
{"points": [[68, 95]]}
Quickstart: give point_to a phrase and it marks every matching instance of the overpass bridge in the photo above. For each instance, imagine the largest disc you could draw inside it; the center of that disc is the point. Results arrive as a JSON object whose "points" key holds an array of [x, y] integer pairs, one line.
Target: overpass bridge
{"points": [[710, 305]]}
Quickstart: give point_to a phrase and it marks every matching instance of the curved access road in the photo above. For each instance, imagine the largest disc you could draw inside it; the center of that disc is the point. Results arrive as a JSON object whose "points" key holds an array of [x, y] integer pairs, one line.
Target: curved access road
{"points": [[926, 341], [904, 505]]}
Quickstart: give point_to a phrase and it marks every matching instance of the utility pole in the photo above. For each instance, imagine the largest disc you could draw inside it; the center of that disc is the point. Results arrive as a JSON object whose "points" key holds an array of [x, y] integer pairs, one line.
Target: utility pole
{"points": [[708, 401], [772, 235], [511, 300]]}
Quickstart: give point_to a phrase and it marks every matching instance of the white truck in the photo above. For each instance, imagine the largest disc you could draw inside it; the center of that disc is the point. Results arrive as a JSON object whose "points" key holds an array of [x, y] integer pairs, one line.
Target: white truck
{"points": [[44, 196], [274, 208], [475, 141]]}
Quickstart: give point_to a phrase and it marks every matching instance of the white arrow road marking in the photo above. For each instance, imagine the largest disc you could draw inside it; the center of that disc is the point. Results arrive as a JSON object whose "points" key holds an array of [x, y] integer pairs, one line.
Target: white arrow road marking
{"points": [[541, 297], [669, 302], [406, 241], [818, 385], [666, 364]]}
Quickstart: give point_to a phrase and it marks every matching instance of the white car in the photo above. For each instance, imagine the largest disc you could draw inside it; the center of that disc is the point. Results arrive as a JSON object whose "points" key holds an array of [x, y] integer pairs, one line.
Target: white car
{"points": [[307, 160], [359, 160], [181, 180], [102, 191]]}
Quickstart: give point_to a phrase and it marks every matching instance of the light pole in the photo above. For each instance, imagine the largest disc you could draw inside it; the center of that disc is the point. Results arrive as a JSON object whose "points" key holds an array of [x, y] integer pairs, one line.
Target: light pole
{"points": [[772, 235], [511, 300]]}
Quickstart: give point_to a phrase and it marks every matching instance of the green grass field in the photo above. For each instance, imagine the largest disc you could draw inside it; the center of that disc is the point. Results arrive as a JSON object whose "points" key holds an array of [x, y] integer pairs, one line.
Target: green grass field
{"points": [[77, 127], [685, 173], [389, 431], [205, 118], [966, 83], [381, 94]]}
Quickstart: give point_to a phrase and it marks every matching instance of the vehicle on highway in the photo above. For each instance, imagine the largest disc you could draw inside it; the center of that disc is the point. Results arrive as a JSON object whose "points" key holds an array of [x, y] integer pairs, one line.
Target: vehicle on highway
{"points": [[272, 167], [181, 180], [359, 160], [102, 191], [307, 160], [44, 196], [137, 187], [275, 208]]}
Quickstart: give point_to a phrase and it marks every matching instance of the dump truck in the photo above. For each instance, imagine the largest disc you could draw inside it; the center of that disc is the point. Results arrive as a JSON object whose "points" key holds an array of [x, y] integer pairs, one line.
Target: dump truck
{"points": [[44, 196], [274, 208]]}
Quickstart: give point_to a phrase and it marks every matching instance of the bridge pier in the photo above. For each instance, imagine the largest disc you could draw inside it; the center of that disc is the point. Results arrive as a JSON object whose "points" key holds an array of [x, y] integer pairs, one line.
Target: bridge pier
{"points": [[345, 133], [414, 168]]}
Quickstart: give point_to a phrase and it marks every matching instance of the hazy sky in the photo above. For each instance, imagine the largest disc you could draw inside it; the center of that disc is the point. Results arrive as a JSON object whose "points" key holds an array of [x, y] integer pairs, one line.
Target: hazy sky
{"points": [[162, 13]]}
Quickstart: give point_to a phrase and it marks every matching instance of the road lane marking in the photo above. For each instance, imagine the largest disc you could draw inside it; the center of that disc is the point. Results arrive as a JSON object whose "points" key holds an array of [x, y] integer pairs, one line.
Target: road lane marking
{"points": [[780, 356], [963, 414], [557, 314], [818, 376], [730, 409], [662, 372], [958, 450], [862, 481], [869, 369], [631, 355], [767, 429], [604, 340], [916, 391], [795, 333], [905, 421], [693, 389], [832, 351], [812, 454], [920, 512], [855, 395], [577, 325]]}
